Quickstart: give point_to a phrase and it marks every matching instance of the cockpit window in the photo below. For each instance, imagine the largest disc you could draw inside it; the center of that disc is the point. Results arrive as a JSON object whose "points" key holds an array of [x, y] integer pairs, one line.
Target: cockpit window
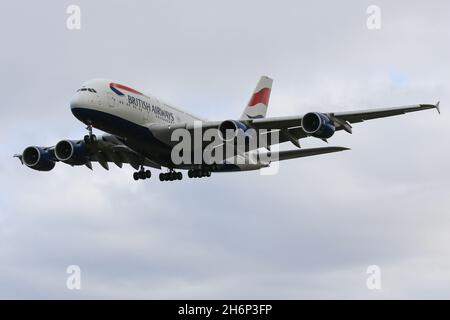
{"points": [[87, 89]]}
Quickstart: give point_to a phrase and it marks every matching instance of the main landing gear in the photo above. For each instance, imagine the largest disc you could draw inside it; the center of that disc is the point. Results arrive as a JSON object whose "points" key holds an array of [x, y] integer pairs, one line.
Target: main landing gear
{"points": [[89, 137], [199, 173], [142, 174], [170, 176]]}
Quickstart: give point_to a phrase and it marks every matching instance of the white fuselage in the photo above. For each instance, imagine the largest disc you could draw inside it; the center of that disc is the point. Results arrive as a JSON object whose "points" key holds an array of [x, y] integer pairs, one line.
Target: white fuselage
{"points": [[128, 104]]}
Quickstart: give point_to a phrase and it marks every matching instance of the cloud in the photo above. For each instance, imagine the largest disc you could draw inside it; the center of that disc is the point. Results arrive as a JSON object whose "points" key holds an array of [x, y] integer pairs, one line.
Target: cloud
{"points": [[308, 232]]}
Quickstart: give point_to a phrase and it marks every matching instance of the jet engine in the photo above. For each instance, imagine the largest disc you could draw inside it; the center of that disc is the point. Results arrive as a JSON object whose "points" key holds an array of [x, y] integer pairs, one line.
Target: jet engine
{"points": [[230, 129], [318, 125], [38, 158], [71, 152]]}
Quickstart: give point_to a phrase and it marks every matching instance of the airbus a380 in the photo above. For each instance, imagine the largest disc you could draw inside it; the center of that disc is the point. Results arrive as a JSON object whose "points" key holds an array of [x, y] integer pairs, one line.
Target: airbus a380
{"points": [[139, 131]]}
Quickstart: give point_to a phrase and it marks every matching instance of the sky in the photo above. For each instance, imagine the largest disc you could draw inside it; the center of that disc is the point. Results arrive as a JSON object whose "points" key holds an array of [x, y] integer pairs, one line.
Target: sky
{"points": [[309, 231]]}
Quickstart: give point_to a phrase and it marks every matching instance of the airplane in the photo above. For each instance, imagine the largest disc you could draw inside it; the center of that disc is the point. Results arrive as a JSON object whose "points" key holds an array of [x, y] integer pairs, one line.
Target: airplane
{"points": [[139, 130]]}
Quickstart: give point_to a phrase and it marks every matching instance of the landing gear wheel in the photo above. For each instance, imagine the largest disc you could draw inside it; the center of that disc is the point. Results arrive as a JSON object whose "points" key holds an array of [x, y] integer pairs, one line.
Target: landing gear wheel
{"points": [[89, 137], [142, 174], [170, 176], [199, 173]]}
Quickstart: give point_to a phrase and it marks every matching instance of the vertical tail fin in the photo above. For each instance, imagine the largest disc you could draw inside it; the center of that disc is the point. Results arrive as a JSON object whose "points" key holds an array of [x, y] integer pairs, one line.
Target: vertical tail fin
{"points": [[257, 106]]}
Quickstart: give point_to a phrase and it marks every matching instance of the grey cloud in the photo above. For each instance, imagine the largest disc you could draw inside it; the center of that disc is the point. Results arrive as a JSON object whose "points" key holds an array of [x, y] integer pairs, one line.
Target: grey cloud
{"points": [[309, 231]]}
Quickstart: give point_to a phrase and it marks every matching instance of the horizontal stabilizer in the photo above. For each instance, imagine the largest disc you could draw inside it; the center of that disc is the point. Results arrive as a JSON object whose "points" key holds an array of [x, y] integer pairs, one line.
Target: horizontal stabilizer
{"points": [[299, 153]]}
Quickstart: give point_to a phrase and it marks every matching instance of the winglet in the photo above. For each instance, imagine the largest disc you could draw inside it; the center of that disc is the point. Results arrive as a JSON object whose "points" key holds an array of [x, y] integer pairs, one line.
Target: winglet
{"points": [[438, 108]]}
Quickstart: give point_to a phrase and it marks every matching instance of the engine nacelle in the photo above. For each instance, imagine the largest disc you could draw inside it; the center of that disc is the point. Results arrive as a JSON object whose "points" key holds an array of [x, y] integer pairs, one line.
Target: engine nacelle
{"points": [[38, 159], [229, 129], [71, 152], [318, 125]]}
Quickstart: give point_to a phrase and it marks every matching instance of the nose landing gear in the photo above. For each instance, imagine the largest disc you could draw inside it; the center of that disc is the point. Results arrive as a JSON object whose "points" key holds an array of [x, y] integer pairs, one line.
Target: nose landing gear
{"points": [[89, 137], [142, 174]]}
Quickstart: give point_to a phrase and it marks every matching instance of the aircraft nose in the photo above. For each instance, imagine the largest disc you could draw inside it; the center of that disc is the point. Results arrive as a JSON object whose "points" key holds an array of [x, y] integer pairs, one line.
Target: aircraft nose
{"points": [[76, 101], [79, 107]]}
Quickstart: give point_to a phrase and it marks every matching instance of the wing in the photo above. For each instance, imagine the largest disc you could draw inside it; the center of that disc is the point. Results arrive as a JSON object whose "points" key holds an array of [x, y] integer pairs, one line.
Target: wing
{"points": [[360, 116], [290, 128], [340, 118], [107, 149]]}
